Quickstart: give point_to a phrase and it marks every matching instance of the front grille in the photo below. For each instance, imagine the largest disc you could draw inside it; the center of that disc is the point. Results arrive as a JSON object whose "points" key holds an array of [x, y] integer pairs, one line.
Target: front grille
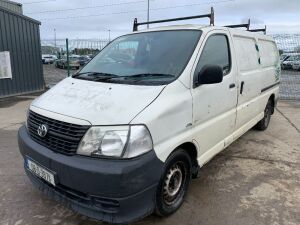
{"points": [[61, 137]]}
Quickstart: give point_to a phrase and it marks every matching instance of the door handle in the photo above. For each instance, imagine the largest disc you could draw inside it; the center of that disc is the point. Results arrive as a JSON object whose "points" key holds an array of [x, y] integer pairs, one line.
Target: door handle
{"points": [[242, 87], [231, 86]]}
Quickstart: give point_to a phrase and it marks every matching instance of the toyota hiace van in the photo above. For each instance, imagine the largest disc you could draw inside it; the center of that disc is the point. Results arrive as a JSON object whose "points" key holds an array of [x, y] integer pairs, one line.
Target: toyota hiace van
{"points": [[124, 136]]}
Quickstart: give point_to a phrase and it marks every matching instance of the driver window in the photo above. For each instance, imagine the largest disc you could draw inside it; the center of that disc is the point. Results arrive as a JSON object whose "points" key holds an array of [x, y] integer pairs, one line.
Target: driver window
{"points": [[215, 52]]}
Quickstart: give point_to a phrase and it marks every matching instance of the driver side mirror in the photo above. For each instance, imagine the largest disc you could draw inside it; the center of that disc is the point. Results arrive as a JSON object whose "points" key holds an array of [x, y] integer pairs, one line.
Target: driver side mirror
{"points": [[209, 74]]}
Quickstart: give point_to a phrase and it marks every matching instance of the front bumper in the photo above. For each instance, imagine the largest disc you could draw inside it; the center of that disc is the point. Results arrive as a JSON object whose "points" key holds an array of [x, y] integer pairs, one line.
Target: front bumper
{"points": [[115, 191]]}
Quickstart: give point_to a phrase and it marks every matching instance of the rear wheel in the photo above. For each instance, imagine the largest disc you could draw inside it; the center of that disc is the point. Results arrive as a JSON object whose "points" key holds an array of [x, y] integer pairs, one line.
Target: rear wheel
{"points": [[264, 123], [174, 183]]}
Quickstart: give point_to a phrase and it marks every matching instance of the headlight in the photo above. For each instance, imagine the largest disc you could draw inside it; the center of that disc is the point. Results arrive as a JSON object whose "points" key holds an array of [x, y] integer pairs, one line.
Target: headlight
{"points": [[115, 141]]}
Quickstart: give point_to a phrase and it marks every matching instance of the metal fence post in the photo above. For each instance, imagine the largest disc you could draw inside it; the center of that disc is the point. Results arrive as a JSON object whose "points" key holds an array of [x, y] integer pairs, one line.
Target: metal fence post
{"points": [[68, 65]]}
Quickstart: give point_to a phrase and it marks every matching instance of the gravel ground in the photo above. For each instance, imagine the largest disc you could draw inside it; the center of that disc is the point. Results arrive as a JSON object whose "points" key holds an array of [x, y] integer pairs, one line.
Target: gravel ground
{"points": [[289, 86], [254, 181]]}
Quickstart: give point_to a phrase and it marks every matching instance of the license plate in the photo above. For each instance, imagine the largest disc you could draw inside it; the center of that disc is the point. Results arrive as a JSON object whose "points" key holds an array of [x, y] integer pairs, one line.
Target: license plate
{"points": [[40, 171]]}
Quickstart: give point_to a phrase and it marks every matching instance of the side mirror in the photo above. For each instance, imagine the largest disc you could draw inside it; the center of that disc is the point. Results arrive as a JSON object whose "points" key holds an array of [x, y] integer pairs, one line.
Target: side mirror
{"points": [[209, 74]]}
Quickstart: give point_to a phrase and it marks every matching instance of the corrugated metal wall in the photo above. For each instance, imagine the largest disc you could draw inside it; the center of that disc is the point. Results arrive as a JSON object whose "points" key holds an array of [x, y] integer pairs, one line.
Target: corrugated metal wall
{"points": [[20, 36], [13, 6]]}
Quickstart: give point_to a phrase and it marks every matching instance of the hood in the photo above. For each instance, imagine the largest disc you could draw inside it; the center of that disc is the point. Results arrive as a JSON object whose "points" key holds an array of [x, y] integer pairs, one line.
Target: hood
{"points": [[99, 103]]}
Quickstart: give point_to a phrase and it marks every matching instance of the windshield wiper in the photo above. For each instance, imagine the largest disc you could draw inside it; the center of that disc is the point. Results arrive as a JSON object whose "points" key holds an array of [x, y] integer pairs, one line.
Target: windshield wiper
{"points": [[150, 75], [99, 76], [95, 75]]}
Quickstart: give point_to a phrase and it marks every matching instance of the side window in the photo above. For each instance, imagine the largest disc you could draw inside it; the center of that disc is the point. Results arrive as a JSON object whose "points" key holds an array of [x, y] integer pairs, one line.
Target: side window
{"points": [[247, 53], [215, 52], [268, 52]]}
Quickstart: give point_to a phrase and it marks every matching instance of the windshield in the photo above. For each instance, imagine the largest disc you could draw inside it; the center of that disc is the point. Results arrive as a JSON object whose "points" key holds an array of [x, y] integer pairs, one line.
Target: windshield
{"points": [[143, 58]]}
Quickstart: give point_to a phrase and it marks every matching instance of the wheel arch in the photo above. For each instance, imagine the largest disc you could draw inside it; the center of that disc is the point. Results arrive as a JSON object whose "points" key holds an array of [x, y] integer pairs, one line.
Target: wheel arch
{"points": [[191, 149], [273, 102]]}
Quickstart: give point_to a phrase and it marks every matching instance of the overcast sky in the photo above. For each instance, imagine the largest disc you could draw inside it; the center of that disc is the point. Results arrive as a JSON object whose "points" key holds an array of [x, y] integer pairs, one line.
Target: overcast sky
{"points": [[92, 18]]}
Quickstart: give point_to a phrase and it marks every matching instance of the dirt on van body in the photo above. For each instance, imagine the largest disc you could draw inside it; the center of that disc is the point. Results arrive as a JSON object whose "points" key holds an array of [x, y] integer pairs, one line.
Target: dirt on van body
{"points": [[256, 180]]}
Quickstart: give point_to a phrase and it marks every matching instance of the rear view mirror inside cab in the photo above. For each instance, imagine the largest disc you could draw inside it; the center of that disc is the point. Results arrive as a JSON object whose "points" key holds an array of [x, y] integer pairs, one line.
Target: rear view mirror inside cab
{"points": [[209, 74]]}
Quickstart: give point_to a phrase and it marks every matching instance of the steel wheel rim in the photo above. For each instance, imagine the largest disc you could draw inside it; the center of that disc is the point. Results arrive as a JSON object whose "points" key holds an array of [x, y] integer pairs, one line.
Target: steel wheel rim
{"points": [[173, 183]]}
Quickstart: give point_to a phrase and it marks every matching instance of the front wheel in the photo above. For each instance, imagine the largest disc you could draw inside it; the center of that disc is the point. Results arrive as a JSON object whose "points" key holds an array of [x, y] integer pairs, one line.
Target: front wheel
{"points": [[264, 123], [174, 183]]}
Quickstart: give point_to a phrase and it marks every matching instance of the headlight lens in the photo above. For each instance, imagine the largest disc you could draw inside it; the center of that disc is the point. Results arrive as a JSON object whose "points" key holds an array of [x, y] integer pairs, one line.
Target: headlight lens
{"points": [[140, 141], [115, 141], [104, 141]]}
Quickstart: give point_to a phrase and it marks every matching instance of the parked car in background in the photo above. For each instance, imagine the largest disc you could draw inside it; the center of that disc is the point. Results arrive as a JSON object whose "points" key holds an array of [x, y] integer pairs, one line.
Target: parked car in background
{"points": [[63, 64], [296, 63], [48, 59], [83, 60], [54, 57], [287, 63], [283, 57], [90, 56]]}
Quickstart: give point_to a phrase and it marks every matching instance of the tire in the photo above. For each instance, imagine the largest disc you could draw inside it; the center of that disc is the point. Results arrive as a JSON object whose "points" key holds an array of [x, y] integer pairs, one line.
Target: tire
{"points": [[264, 123], [174, 183]]}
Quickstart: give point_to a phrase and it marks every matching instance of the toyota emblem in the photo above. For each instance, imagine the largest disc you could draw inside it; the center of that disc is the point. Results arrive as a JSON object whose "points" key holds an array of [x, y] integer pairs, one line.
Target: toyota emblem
{"points": [[42, 130]]}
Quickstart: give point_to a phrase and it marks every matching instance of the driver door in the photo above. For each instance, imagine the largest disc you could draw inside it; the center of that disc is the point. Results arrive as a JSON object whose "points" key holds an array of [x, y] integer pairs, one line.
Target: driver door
{"points": [[214, 105]]}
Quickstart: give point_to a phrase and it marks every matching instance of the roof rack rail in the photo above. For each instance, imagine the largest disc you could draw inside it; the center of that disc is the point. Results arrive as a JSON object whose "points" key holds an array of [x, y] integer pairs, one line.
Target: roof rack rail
{"points": [[260, 30], [211, 16], [246, 25]]}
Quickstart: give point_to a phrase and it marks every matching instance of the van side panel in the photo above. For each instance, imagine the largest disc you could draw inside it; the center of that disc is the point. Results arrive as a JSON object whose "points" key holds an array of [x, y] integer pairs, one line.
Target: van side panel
{"points": [[249, 76], [259, 70], [270, 69]]}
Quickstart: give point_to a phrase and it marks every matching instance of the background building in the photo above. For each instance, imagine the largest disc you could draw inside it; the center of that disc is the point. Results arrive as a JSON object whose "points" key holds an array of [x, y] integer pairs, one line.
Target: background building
{"points": [[21, 69]]}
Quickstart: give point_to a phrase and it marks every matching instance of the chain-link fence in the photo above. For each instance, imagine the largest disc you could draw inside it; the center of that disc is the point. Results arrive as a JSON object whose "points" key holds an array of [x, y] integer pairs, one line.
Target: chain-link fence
{"points": [[288, 45]]}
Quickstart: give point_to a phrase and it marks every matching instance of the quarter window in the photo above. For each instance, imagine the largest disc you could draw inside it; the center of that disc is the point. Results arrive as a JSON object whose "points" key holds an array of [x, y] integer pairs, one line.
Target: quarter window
{"points": [[215, 52]]}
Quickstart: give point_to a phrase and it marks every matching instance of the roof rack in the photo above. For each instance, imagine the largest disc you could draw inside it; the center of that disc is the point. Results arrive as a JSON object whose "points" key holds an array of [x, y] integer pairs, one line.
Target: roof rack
{"points": [[211, 16], [246, 25], [264, 30]]}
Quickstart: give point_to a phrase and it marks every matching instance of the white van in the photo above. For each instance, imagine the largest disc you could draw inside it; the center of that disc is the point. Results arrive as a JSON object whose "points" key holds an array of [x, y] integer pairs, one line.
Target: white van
{"points": [[123, 137]]}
